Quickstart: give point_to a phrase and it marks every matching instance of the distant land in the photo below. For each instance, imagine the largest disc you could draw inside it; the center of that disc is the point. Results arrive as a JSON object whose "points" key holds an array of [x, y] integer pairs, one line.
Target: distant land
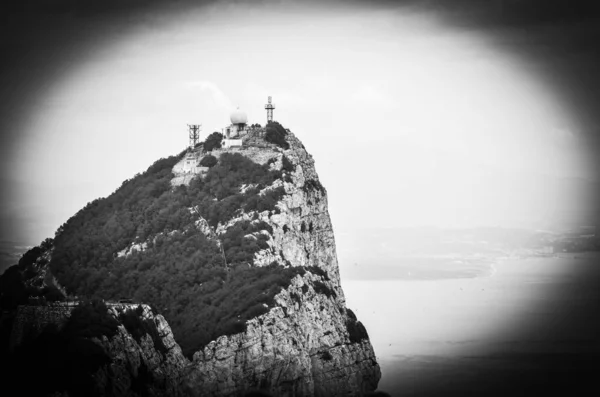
{"points": [[429, 252]]}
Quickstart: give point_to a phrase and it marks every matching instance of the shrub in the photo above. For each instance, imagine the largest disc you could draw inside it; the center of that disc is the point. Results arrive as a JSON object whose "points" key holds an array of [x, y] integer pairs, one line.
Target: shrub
{"points": [[234, 327], [322, 288], [356, 331], [276, 134], [287, 165], [224, 310], [21, 281], [303, 227], [213, 141], [159, 166], [239, 248], [313, 184], [318, 271], [351, 314], [208, 161], [53, 294], [257, 310], [91, 319], [223, 182], [264, 202]]}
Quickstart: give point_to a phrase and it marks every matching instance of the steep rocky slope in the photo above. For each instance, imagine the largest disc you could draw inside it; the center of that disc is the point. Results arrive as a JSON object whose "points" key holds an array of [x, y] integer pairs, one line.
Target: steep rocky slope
{"points": [[301, 341], [309, 343]]}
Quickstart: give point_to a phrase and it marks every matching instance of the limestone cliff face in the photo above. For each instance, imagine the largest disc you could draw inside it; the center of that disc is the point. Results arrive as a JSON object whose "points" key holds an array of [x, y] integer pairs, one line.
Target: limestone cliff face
{"points": [[137, 366], [308, 344], [300, 348]]}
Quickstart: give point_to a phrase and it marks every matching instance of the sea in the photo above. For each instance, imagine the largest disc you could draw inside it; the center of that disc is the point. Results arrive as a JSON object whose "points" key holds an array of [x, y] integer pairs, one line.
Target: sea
{"points": [[518, 326]]}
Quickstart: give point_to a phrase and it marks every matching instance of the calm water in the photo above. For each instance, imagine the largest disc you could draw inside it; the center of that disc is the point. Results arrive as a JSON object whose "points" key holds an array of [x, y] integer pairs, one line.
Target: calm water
{"points": [[531, 325]]}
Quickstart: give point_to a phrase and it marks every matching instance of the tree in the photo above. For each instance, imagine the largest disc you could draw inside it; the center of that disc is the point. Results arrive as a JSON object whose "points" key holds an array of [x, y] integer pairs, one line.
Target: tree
{"points": [[213, 141], [209, 161], [287, 165], [276, 134]]}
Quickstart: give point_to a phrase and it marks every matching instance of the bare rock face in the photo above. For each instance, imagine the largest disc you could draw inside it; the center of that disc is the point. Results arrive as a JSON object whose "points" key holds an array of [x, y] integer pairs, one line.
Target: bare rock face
{"points": [[141, 367], [309, 344]]}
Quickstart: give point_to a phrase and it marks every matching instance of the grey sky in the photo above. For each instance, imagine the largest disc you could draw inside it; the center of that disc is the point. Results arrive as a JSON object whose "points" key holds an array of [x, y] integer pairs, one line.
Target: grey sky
{"points": [[415, 112]]}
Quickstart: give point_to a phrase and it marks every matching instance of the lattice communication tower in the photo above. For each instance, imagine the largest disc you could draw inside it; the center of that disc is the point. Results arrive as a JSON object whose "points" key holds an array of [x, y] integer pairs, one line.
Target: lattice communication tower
{"points": [[194, 132], [269, 106]]}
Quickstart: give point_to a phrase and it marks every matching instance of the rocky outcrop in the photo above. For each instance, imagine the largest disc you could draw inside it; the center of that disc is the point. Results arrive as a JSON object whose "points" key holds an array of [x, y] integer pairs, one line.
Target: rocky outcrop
{"points": [[302, 347], [146, 363], [132, 248], [308, 344], [139, 367]]}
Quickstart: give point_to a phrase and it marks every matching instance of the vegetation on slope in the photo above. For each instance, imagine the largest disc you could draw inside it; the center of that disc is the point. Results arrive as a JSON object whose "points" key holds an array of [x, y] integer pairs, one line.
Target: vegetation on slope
{"points": [[356, 330], [203, 290], [208, 161], [277, 134], [213, 141], [137, 326], [223, 183]]}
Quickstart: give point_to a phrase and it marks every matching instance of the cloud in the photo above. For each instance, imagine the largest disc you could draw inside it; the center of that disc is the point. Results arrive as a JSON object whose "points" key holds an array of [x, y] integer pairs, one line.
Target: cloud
{"points": [[216, 94]]}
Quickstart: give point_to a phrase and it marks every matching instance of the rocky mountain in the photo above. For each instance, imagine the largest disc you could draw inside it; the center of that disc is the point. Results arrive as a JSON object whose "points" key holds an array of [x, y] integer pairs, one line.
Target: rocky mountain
{"points": [[235, 248]]}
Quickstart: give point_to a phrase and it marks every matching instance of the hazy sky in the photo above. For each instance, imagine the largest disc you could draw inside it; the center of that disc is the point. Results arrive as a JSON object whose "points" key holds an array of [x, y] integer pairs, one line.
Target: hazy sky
{"points": [[417, 113]]}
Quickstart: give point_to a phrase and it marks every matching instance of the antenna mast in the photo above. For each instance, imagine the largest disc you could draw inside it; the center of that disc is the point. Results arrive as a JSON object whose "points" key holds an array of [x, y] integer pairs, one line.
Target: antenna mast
{"points": [[194, 133], [269, 106]]}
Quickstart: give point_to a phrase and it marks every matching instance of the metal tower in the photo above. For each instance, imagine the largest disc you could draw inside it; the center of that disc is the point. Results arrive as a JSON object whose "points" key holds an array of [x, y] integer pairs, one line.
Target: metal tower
{"points": [[269, 106], [194, 131]]}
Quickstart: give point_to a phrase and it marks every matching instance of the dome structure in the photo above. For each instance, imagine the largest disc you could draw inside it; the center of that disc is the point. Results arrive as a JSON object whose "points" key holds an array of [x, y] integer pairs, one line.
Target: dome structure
{"points": [[238, 117]]}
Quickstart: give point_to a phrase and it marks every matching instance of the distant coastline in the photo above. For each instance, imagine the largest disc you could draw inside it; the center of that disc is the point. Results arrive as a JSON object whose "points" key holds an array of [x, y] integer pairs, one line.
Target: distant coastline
{"points": [[423, 267], [442, 267]]}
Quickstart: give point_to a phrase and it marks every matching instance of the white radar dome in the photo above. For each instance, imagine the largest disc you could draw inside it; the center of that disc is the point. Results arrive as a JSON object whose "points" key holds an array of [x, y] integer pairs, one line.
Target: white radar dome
{"points": [[238, 117]]}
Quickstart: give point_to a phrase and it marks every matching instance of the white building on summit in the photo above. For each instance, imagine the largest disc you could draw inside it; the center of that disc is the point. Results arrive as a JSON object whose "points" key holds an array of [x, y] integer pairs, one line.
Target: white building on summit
{"points": [[233, 134]]}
